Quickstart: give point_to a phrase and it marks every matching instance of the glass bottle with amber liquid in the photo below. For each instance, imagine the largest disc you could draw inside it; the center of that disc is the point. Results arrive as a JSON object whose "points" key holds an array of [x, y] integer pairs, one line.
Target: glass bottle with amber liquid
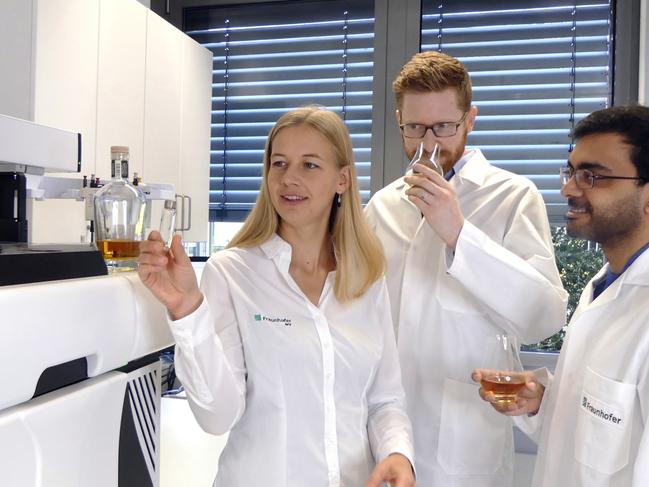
{"points": [[119, 216]]}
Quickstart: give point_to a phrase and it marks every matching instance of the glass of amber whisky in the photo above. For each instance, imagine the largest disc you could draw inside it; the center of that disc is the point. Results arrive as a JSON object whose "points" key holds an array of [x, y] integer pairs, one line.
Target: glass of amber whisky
{"points": [[503, 375]]}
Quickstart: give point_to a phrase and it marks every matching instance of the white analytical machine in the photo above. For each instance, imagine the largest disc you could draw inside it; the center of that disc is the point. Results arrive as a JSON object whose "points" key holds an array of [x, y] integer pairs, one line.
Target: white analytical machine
{"points": [[80, 379]]}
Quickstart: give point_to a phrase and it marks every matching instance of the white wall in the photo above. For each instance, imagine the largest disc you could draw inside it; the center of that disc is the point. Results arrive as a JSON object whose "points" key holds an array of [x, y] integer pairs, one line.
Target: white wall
{"points": [[643, 64]]}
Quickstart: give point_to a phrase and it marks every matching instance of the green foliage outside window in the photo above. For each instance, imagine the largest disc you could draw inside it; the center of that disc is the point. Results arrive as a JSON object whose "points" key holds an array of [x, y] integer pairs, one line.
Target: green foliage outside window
{"points": [[578, 261]]}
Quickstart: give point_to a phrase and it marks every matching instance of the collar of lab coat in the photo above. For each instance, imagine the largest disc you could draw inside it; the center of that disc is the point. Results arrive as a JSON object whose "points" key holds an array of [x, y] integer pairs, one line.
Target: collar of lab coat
{"points": [[473, 169], [635, 275]]}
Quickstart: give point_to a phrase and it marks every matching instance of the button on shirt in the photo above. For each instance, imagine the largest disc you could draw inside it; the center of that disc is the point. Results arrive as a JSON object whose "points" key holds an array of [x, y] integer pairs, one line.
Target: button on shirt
{"points": [[311, 394]]}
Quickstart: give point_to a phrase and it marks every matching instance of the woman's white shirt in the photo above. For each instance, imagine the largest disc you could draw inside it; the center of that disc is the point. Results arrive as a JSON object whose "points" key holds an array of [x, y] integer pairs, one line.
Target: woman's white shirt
{"points": [[311, 394]]}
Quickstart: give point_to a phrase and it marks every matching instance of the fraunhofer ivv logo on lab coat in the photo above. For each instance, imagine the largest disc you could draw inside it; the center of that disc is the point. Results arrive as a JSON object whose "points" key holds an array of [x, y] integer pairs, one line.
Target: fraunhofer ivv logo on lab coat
{"points": [[602, 411], [276, 321]]}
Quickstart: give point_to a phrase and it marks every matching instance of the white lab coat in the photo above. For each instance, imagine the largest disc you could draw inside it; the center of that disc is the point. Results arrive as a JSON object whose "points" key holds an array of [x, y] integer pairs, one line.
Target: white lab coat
{"points": [[594, 415], [311, 395], [447, 307]]}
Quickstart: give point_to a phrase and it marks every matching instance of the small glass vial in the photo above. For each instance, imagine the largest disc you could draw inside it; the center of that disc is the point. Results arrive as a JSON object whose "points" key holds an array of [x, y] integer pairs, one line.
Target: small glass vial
{"points": [[431, 160], [119, 216], [168, 221]]}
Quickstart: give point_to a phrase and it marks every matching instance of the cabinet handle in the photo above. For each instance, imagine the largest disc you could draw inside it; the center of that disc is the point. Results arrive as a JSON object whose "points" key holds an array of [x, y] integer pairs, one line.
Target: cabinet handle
{"points": [[188, 225], [189, 212]]}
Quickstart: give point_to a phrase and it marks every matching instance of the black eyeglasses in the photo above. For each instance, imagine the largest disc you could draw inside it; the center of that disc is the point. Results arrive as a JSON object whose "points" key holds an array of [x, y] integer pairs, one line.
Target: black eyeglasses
{"points": [[441, 129], [585, 178]]}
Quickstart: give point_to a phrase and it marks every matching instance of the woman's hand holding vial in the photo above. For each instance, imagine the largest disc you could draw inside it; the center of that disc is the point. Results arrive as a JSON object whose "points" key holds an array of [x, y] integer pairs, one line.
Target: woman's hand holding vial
{"points": [[168, 273]]}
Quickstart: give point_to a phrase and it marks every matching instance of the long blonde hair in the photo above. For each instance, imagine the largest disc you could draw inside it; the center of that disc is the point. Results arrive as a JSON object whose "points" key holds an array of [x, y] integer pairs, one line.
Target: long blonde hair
{"points": [[359, 255]]}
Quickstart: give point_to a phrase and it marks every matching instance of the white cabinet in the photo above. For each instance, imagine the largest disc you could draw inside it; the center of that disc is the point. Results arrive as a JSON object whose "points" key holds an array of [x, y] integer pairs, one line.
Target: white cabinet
{"points": [[120, 75], [16, 58], [120, 82], [177, 114], [162, 101], [195, 134], [65, 69], [49, 68]]}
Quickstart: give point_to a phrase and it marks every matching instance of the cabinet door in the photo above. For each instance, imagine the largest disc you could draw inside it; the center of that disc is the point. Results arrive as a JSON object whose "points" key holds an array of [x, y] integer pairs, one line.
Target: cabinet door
{"points": [[196, 113], [120, 82], [65, 69], [65, 96], [16, 55], [162, 102]]}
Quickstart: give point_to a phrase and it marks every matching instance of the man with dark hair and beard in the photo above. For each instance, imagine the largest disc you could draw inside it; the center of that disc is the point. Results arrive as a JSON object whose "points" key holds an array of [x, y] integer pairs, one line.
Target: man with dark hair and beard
{"points": [[591, 418], [469, 256]]}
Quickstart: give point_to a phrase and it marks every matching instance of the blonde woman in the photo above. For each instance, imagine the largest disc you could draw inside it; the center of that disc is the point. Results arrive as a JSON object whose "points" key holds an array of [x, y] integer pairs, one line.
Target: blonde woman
{"points": [[288, 343]]}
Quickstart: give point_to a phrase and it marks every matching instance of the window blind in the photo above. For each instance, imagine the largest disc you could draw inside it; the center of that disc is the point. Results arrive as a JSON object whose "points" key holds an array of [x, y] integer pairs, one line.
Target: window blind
{"points": [[537, 67], [268, 59]]}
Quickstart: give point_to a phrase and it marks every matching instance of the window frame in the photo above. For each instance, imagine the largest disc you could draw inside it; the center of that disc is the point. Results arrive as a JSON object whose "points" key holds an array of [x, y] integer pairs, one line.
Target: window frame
{"points": [[397, 25], [268, 58]]}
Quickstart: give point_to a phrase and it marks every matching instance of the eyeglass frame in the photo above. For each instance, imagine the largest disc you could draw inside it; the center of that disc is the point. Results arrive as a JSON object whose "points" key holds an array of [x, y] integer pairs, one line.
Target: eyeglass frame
{"points": [[566, 173], [432, 127]]}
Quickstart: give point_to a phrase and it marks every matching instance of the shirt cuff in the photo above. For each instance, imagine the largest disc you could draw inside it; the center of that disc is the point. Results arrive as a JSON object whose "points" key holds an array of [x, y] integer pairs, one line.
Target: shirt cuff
{"points": [[192, 329]]}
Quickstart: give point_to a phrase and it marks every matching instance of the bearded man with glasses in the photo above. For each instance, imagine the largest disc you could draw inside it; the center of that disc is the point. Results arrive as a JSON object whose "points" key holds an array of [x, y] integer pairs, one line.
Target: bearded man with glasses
{"points": [[590, 419], [469, 256]]}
